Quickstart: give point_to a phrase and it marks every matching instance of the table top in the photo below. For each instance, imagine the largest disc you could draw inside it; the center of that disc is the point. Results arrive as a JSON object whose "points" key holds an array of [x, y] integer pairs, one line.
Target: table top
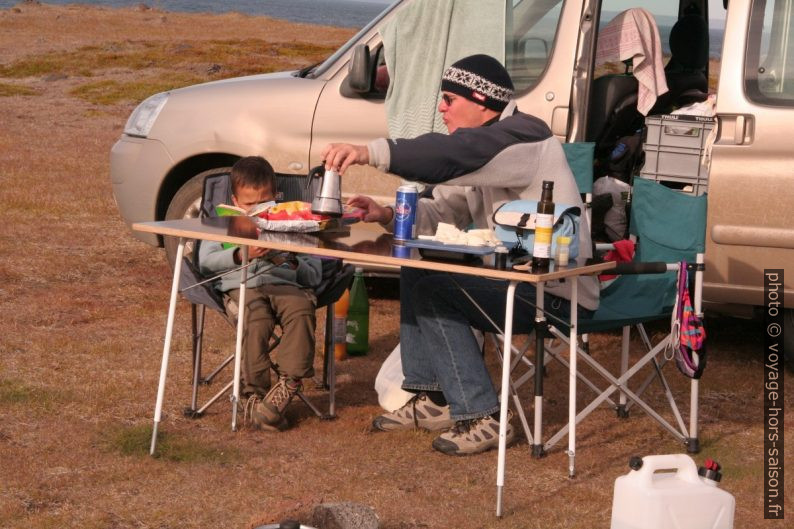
{"points": [[361, 242]]}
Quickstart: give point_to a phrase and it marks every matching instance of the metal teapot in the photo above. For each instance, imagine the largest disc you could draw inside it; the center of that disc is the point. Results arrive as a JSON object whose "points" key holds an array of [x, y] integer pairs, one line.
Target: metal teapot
{"points": [[328, 200]]}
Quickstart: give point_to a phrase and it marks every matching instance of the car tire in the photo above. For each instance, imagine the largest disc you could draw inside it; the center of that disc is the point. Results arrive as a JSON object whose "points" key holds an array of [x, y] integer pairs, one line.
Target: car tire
{"points": [[185, 205]]}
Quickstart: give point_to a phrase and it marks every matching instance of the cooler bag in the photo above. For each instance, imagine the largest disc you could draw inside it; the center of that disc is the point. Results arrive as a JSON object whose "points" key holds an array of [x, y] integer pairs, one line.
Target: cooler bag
{"points": [[514, 224]]}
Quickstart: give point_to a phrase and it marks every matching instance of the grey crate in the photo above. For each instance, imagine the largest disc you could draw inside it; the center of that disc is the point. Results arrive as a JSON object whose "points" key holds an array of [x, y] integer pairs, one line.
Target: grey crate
{"points": [[674, 147]]}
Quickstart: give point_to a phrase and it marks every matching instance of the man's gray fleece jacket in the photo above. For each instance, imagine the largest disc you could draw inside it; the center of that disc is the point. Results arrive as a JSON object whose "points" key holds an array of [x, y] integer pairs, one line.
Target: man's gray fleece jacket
{"points": [[476, 170]]}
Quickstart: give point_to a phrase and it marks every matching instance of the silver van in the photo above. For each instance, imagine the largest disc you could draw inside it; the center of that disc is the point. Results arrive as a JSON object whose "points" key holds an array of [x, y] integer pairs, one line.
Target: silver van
{"points": [[175, 138]]}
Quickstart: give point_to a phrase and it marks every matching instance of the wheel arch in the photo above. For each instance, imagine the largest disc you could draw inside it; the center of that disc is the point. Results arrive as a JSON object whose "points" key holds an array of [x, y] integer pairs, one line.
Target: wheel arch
{"points": [[184, 171]]}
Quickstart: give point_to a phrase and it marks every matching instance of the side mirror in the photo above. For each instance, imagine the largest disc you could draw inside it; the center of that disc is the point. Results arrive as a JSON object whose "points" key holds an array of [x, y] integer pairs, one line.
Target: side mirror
{"points": [[359, 76]]}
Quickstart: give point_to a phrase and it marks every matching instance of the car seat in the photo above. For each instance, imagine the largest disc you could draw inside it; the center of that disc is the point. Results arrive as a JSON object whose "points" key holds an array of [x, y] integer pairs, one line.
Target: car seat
{"points": [[686, 69]]}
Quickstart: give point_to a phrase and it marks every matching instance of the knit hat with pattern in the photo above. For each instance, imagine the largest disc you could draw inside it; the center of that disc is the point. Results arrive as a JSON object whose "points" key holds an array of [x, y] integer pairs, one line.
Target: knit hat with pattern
{"points": [[479, 78]]}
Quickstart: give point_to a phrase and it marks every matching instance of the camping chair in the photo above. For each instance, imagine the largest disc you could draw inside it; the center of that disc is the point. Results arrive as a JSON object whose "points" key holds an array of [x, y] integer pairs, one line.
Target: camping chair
{"points": [[199, 291], [670, 229]]}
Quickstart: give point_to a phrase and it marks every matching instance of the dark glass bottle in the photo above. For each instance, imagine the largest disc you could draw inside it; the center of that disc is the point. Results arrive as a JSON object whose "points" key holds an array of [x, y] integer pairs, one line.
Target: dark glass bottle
{"points": [[544, 221], [358, 317]]}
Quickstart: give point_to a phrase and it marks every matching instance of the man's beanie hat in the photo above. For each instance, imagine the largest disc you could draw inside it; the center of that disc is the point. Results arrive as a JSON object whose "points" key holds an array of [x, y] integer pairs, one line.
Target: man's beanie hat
{"points": [[479, 78]]}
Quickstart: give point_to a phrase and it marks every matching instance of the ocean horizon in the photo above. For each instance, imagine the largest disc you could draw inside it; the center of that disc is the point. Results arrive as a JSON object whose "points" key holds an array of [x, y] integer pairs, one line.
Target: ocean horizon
{"points": [[338, 13]]}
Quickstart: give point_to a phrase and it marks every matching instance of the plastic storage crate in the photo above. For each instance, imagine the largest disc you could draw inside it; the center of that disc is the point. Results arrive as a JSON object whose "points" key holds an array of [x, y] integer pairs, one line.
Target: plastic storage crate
{"points": [[674, 147]]}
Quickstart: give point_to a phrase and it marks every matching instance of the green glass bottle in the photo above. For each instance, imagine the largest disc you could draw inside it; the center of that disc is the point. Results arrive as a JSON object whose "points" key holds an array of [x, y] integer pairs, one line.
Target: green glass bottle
{"points": [[358, 317]]}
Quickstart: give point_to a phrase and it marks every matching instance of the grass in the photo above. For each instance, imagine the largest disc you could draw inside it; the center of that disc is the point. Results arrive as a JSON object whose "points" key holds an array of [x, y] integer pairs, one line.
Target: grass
{"points": [[18, 393], [134, 441], [7, 90], [12, 392], [178, 64], [82, 320], [110, 91], [235, 56]]}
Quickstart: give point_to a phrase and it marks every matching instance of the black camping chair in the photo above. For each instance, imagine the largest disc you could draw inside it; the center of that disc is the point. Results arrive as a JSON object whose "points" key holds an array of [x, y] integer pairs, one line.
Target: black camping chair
{"points": [[198, 289]]}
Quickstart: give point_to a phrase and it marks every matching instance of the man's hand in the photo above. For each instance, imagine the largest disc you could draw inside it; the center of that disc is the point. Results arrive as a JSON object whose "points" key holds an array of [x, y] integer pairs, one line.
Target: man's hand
{"points": [[374, 211], [340, 156]]}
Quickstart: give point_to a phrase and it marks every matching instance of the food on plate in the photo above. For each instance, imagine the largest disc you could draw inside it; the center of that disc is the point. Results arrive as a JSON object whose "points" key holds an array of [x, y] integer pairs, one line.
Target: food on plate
{"points": [[296, 216], [293, 210], [449, 234]]}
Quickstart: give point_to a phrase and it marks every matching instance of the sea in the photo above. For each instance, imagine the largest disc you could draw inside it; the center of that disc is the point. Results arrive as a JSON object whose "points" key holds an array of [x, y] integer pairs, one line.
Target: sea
{"points": [[339, 13]]}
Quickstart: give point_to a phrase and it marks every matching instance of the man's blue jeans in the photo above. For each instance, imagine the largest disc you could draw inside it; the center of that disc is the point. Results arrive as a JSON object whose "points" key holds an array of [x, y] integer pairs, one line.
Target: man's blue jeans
{"points": [[438, 349]]}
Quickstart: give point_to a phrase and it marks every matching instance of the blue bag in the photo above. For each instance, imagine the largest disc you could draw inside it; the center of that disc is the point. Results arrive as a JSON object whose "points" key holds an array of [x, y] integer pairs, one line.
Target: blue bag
{"points": [[514, 223]]}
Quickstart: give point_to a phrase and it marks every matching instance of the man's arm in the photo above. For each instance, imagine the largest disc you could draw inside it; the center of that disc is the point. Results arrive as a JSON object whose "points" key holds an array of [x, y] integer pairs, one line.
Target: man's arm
{"points": [[374, 212], [437, 158]]}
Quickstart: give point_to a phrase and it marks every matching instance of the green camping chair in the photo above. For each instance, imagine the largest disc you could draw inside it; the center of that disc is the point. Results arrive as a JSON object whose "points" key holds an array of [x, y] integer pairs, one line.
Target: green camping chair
{"points": [[670, 228]]}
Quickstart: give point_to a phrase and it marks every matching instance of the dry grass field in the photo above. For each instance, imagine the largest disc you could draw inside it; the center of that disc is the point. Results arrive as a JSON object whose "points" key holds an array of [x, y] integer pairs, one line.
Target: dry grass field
{"points": [[82, 319]]}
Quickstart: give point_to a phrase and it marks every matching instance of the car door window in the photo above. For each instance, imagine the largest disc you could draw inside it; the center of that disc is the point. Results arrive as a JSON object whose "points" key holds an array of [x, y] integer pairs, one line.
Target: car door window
{"points": [[769, 63], [530, 30]]}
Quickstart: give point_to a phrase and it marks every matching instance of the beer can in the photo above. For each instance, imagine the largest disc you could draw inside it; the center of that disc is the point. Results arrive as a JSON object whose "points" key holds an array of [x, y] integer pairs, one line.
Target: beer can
{"points": [[401, 251], [405, 213]]}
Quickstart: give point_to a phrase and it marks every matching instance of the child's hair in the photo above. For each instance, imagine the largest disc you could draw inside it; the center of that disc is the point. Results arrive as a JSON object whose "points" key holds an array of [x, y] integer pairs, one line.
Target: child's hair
{"points": [[253, 171]]}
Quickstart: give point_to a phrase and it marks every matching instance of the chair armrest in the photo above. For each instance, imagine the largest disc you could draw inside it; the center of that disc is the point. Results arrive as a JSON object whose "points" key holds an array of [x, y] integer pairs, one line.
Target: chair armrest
{"points": [[643, 268]]}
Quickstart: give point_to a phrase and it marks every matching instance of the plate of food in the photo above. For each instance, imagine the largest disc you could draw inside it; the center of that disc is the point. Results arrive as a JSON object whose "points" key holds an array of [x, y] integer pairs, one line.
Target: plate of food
{"points": [[294, 216], [453, 244]]}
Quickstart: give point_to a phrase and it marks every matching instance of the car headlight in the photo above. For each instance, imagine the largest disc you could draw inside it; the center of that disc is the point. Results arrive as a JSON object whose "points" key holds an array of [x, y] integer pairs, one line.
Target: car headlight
{"points": [[143, 117]]}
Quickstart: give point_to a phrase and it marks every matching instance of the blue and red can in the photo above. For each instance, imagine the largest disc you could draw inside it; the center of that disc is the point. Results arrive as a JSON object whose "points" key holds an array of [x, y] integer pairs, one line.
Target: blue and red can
{"points": [[405, 213], [401, 251]]}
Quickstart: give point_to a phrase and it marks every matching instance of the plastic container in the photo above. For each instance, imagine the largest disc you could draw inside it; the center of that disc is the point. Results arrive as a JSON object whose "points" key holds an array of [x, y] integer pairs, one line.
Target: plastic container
{"points": [[341, 308], [358, 317], [665, 491], [674, 147]]}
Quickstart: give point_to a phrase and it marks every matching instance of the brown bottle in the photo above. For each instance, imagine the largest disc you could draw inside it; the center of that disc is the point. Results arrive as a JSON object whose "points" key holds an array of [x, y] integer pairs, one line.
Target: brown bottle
{"points": [[544, 221]]}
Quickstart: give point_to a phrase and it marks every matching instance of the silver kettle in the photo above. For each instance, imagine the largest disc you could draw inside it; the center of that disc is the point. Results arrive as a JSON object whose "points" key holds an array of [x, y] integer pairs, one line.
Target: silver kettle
{"points": [[328, 200]]}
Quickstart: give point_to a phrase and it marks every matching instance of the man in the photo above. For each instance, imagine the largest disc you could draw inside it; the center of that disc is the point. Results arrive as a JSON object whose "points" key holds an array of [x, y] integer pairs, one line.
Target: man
{"points": [[493, 154]]}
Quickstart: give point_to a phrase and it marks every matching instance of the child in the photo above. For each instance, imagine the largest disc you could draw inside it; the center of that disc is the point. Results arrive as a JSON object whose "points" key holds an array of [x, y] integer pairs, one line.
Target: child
{"points": [[278, 292]]}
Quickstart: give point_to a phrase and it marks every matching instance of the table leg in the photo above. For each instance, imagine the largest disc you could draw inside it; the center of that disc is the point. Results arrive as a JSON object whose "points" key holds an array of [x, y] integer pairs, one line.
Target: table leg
{"points": [[235, 398], [540, 349], [504, 401], [169, 328], [573, 346]]}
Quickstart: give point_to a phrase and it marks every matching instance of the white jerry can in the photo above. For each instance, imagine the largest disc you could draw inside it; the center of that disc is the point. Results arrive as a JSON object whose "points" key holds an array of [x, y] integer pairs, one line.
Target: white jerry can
{"points": [[668, 491]]}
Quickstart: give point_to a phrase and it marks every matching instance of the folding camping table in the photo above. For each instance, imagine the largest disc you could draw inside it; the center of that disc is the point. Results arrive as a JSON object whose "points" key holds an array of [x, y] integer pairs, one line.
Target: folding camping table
{"points": [[365, 244]]}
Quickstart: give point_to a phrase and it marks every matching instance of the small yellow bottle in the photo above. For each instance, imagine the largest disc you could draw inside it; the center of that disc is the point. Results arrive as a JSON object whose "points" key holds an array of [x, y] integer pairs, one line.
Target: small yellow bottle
{"points": [[563, 250]]}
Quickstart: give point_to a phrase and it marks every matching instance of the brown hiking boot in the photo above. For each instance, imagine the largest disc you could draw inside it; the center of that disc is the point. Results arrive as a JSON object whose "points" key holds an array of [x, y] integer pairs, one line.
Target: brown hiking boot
{"points": [[268, 413], [473, 436], [419, 412]]}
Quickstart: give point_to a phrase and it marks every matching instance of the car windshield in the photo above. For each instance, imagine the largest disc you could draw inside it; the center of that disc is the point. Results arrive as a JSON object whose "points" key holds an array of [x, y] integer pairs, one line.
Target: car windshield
{"points": [[317, 70]]}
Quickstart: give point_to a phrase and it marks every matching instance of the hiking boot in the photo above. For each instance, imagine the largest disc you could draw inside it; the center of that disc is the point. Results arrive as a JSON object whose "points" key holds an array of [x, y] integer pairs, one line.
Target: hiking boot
{"points": [[246, 406], [472, 436], [419, 412], [268, 413]]}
